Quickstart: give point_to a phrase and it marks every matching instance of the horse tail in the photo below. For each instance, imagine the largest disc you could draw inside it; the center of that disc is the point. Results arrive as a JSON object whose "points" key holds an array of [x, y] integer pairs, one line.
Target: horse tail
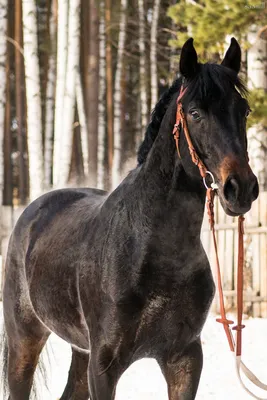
{"points": [[3, 364], [41, 376], [41, 371]]}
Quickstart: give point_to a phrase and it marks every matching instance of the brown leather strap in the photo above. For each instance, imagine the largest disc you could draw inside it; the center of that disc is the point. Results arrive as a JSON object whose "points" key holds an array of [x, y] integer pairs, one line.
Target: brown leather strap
{"points": [[223, 320], [237, 347], [240, 269], [181, 123]]}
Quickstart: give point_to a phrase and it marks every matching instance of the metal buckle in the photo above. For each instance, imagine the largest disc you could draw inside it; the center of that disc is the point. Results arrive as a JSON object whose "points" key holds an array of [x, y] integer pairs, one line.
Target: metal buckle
{"points": [[213, 185]]}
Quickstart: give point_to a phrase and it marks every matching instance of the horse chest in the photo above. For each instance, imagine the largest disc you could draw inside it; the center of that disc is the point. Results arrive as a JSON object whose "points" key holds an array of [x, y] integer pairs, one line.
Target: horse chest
{"points": [[179, 313]]}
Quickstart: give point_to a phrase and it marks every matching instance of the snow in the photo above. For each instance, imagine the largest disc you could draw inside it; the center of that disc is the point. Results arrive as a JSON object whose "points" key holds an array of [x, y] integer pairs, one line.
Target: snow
{"points": [[144, 381]]}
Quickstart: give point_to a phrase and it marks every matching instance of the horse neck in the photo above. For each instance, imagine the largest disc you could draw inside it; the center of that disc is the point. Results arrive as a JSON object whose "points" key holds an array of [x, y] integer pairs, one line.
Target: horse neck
{"points": [[167, 188]]}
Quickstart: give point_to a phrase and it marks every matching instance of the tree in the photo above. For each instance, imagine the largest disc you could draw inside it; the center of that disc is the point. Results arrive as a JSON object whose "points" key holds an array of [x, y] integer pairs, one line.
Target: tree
{"points": [[92, 92], [142, 50], [62, 38], [109, 83], [20, 104], [83, 124], [116, 167], [69, 95], [101, 100], [257, 82], [33, 98], [50, 99], [153, 53], [233, 17], [3, 56]]}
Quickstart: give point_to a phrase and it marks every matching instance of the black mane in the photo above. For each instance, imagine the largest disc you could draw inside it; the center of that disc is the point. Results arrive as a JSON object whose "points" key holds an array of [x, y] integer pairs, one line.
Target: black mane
{"points": [[156, 119], [212, 83]]}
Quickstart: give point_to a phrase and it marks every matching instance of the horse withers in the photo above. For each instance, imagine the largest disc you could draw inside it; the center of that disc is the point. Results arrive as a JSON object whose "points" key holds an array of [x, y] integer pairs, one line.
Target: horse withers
{"points": [[123, 276]]}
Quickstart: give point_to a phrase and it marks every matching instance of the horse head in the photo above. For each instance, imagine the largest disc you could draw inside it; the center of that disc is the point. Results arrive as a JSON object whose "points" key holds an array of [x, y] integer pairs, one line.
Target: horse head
{"points": [[216, 109]]}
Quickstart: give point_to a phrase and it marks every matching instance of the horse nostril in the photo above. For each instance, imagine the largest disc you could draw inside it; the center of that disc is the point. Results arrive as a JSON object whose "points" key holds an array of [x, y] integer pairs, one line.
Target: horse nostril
{"points": [[231, 189], [255, 190]]}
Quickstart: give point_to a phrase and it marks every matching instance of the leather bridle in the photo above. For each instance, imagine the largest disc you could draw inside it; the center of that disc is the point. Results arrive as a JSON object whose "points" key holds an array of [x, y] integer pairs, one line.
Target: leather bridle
{"points": [[235, 345]]}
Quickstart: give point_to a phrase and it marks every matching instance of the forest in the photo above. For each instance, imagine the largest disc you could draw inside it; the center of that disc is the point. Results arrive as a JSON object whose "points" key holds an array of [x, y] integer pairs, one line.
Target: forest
{"points": [[79, 79]]}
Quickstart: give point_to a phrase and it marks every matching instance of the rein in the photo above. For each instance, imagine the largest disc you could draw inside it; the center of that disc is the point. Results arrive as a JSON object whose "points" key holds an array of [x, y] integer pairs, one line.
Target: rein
{"points": [[235, 345]]}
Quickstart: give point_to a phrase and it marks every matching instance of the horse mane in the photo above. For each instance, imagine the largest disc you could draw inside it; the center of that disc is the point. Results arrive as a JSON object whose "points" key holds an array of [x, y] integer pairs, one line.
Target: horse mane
{"points": [[212, 83], [155, 121]]}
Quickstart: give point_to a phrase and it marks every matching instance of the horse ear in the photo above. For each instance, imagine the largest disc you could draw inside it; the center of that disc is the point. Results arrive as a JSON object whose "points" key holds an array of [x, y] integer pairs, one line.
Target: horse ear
{"points": [[232, 58], [188, 60]]}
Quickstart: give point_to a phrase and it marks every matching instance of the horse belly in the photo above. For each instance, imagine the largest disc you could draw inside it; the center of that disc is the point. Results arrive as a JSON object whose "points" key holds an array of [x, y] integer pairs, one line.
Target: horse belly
{"points": [[60, 311], [73, 330]]}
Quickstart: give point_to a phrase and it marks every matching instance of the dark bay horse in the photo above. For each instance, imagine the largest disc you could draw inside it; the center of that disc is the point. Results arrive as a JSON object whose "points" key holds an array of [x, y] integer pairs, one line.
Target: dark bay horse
{"points": [[123, 276]]}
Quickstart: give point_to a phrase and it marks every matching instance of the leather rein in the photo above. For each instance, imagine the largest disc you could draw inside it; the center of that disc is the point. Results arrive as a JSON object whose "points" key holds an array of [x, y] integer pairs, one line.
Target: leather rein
{"points": [[234, 344]]}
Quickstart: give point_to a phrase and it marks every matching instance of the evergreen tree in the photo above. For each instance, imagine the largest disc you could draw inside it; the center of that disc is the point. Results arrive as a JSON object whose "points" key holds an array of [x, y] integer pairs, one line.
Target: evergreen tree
{"points": [[210, 22]]}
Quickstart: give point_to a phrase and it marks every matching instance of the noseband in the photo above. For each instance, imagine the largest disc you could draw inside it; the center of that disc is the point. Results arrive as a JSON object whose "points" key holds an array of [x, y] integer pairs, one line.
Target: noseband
{"points": [[235, 345]]}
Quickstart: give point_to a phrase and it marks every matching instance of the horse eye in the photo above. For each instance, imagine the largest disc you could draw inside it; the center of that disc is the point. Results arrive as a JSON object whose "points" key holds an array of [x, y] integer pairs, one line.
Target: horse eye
{"points": [[195, 115], [248, 112]]}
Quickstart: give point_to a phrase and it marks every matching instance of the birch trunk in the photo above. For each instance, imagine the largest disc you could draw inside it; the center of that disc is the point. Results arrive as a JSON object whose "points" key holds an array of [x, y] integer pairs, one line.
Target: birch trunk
{"points": [[3, 56], [173, 68], [50, 100], [83, 125], [153, 54], [109, 84], [62, 38], [93, 90], [257, 78], [33, 98], [8, 181], [69, 101], [142, 49], [20, 104], [101, 100], [117, 97], [82, 88]]}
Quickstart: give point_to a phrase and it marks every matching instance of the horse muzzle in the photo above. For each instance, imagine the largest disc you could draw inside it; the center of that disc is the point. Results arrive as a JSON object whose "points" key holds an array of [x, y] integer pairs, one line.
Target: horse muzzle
{"points": [[237, 193]]}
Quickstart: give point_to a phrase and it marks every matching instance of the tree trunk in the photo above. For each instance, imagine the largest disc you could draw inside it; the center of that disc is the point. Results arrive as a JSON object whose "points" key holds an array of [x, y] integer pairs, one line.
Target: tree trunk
{"points": [[33, 98], [173, 66], [19, 103], [92, 91], [8, 170], [50, 99], [109, 84], [257, 78], [143, 72], [83, 125], [62, 38], [153, 54], [3, 57], [69, 101], [101, 100], [7, 163], [117, 97]]}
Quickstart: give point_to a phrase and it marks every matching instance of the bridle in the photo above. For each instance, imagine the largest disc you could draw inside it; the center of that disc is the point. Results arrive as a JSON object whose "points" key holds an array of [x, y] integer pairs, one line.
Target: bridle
{"points": [[235, 345]]}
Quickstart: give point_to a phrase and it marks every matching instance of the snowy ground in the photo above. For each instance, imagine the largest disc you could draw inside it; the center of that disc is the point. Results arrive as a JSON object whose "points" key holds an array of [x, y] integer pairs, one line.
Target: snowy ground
{"points": [[143, 380]]}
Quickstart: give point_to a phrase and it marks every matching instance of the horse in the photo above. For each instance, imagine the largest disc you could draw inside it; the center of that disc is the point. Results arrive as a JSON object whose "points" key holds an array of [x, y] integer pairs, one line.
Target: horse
{"points": [[123, 275]]}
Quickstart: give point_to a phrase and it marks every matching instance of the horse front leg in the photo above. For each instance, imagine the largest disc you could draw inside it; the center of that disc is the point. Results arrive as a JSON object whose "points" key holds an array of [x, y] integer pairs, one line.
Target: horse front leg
{"points": [[182, 372], [103, 381], [77, 385]]}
